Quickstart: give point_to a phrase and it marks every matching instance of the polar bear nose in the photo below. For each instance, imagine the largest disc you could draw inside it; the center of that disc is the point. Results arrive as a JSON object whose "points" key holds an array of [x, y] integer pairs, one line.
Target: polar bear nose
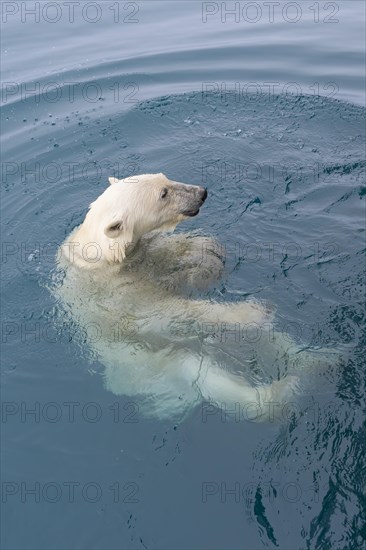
{"points": [[203, 193]]}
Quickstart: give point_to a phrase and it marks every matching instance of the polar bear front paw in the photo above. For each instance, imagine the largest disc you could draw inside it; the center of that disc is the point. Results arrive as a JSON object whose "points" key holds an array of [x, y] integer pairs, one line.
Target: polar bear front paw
{"points": [[247, 313]]}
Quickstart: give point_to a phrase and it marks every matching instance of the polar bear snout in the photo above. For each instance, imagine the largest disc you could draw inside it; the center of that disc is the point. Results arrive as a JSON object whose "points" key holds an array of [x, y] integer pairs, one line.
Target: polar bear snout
{"points": [[203, 194], [195, 202]]}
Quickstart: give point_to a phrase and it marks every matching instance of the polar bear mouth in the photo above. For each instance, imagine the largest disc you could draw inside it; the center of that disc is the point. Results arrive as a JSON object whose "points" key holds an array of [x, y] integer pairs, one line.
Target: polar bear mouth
{"points": [[191, 213]]}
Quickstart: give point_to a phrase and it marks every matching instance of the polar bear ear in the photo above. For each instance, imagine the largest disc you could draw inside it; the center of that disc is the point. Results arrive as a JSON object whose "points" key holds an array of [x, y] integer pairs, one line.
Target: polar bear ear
{"points": [[114, 229], [113, 180]]}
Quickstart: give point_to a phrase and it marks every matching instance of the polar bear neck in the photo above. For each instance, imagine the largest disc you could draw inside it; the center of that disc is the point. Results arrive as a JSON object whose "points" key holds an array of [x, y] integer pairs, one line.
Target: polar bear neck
{"points": [[89, 248]]}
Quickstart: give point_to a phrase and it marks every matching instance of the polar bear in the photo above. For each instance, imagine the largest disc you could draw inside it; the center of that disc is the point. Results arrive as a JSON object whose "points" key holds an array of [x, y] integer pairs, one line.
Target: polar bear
{"points": [[122, 274]]}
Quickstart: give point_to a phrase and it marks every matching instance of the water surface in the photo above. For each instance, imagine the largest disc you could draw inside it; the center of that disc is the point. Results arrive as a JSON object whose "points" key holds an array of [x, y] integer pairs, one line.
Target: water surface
{"points": [[269, 117]]}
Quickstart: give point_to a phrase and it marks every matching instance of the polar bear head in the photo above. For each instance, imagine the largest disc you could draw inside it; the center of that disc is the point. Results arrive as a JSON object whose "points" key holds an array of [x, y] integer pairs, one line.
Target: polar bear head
{"points": [[132, 207]]}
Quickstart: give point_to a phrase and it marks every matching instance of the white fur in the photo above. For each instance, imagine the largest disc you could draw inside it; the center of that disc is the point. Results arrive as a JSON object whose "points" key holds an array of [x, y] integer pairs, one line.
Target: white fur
{"points": [[132, 292]]}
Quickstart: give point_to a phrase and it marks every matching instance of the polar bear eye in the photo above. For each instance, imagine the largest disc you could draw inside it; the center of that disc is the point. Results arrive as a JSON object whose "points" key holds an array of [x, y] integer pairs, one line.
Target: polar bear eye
{"points": [[164, 193]]}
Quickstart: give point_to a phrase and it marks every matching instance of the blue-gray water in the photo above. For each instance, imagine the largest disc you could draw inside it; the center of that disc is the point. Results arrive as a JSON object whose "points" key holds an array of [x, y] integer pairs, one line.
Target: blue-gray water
{"points": [[266, 111]]}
